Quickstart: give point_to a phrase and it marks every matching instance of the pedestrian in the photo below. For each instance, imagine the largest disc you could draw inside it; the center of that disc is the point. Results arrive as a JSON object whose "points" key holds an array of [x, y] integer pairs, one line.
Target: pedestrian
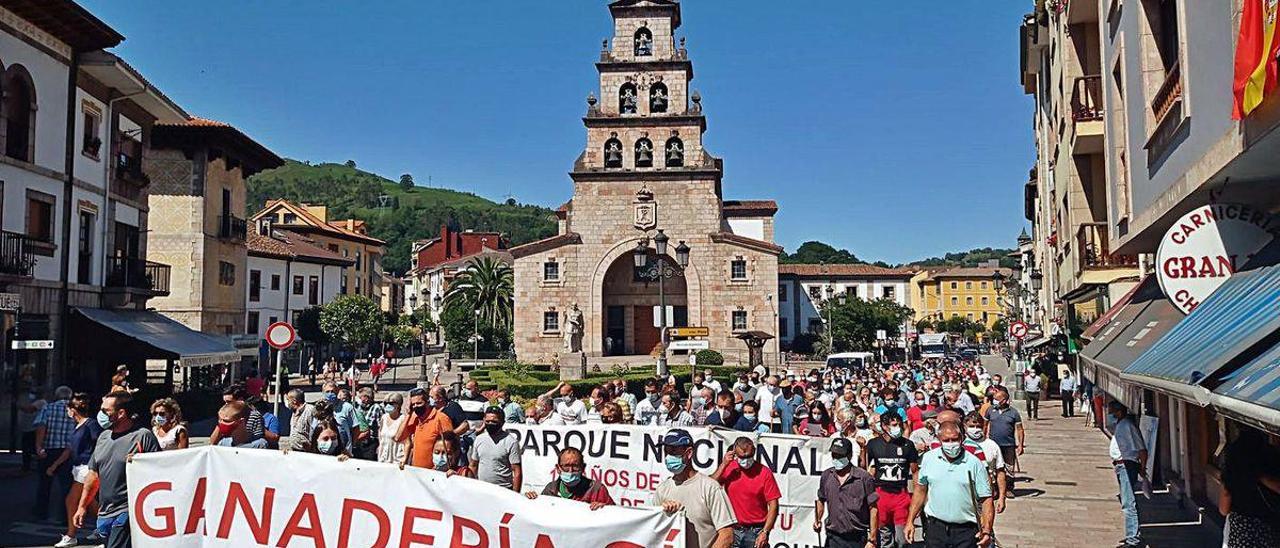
{"points": [[120, 380], [626, 401], [724, 414], [270, 423], [435, 371], [168, 426], [975, 431], [1129, 458], [495, 454], [253, 383], [446, 456], [753, 493], [600, 395], [818, 423], [390, 450], [343, 413], [106, 480], [425, 425], [954, 494], [311, 369], [300, 418], [786, 406], [1031, 385], [646, 411], [570, 483], [326, 439], [915, 413], [370, 413], [514, 413], [847, 497], [29, 403], [571, 410], [75, 457], [748, 421], [892, 460], [704, 503], [1250, 497], [1004, 426], [766, 398], [671, 413], [1067, 391], [232, 421], [710, 382], [701, 404], [611, 413], [53, 427]]}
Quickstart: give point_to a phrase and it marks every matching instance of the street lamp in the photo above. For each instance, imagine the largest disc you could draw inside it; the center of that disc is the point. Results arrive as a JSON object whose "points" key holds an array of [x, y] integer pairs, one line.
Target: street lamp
{"points": [[659, 270], [1037, 280], [475, 338], [830, 292]]}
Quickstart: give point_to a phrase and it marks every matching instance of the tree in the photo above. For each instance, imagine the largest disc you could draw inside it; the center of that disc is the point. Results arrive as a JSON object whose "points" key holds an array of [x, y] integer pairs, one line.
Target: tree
{"points": [[309, 326], [999, 329], [813, 252], [854, 323], [351, 164], [487, 285], [403, 333], [458, 322], [351, 320], [406, 182]]}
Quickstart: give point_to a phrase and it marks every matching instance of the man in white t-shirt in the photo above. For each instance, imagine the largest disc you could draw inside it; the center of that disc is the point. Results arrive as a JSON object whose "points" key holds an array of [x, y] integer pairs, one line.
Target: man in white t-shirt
{"points": [[570, 410], [767, 396], [991, 456]]}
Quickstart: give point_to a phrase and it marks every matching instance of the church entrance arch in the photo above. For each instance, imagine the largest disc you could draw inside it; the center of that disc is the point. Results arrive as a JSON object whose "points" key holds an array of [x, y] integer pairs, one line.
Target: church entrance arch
{"points": [[628, 300]]}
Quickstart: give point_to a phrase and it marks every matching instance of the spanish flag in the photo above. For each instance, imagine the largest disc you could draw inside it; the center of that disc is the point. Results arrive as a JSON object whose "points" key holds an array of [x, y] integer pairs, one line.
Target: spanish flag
{"points": [[1256, 56]]}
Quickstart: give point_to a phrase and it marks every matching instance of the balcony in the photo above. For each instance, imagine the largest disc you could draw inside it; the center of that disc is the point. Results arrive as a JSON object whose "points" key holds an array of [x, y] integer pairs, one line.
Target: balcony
{"points": [[1086, 112], [17, 255], [1093, 251], [138, 275], [231, 227]]}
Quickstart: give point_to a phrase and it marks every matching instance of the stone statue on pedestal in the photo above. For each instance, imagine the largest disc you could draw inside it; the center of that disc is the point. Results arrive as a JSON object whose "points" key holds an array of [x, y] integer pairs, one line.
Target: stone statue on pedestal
{"points": [[573, 326]]}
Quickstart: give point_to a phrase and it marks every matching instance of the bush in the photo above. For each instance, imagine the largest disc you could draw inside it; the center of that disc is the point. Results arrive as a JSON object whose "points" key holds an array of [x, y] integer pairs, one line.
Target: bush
{"points": [[535, 382], [710, 357]]}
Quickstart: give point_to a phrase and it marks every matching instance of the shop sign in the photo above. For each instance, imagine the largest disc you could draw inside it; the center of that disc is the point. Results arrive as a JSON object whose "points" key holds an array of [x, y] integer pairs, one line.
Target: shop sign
{"points": [[1206, 246]]}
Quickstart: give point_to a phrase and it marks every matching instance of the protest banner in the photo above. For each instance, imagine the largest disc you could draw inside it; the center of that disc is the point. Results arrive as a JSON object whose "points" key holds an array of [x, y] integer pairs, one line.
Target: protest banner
{"points": [[628, 459], [218, 496]]}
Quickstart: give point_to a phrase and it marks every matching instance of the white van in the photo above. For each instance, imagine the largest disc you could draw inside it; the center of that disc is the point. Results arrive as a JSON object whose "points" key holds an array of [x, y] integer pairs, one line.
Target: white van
{"points": [[856, 361]]}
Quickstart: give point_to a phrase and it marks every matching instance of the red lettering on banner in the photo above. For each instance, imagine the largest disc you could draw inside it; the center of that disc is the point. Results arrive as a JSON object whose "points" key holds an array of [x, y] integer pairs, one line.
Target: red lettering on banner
{"points": [[306, 508], [165, 513], [623, 544], [407, 535], [459, 523], [196, 515], [785, 521], [236, 498], [349, 506]]}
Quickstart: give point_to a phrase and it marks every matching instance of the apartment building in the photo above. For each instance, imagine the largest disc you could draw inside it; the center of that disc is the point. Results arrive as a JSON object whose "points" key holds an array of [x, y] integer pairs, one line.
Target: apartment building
{"points": [[288, 273], [346, 237], [433, 263], [802, 288], [974, 293], [1191, 186]]}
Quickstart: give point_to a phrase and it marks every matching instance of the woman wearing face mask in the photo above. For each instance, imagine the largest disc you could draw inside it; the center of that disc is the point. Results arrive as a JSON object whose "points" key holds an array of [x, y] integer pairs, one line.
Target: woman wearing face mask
{"points": [[389, 450], [79, 449], [326, 439], [571, 484], [167, 424], [818, 424], [445, 456]]}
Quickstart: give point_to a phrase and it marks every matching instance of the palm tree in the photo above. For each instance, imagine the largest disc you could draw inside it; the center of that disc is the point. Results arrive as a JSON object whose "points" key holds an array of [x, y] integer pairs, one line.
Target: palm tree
{"points": [[486, 284]]}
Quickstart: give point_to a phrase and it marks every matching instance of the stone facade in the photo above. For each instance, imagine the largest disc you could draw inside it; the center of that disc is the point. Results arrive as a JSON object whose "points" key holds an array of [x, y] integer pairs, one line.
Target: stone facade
{"points": [[590, 263]]}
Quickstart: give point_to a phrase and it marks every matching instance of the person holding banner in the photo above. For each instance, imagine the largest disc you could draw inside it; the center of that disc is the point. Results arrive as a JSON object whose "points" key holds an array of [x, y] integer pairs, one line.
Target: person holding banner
{"points": [[646, 412], [847, 495], [571, 484], [495, 454], [705, 504], [107, 479], [753, 493]]}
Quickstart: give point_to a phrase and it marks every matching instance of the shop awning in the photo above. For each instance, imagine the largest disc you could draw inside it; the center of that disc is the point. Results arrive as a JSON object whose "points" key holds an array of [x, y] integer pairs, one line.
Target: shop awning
{"points": [[1037, 342], [1252, 393], [1105, 320], [169, 338], [1239, 316]]}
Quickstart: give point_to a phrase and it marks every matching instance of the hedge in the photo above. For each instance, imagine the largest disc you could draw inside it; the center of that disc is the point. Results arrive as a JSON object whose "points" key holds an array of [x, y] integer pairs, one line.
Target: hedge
{"points": [[535, 383]]}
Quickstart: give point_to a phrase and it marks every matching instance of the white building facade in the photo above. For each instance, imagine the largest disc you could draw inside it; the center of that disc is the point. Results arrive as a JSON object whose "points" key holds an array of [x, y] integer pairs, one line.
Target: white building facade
{"points": [[803, 287], [288, 273]]}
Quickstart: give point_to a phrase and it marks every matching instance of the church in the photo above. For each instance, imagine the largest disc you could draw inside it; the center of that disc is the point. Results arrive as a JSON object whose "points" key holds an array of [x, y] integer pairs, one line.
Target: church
{"points": [[644, 176]]}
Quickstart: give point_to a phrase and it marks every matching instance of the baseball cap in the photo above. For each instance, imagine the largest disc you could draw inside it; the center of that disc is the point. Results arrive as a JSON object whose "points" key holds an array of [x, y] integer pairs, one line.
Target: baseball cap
{"points": [[677, 437], [841, 447]]}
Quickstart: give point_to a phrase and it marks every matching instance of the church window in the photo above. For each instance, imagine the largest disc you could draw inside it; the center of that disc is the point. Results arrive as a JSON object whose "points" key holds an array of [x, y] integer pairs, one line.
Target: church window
{"points": [[550, 321], [738, 269], [739, 320], [644, 153], [551, 271], [613, 152], [644, 42], [658, 97], [627, 98], [675, 152]]}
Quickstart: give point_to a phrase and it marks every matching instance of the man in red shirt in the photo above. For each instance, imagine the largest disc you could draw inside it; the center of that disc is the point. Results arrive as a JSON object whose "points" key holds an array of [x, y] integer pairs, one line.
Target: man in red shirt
{"points": [[571, 484], [753, 494]]}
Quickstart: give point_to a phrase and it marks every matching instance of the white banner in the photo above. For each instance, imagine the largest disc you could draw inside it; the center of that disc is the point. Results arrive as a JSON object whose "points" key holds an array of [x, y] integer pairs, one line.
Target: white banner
{"points": [[217, 496], [628, 459]]}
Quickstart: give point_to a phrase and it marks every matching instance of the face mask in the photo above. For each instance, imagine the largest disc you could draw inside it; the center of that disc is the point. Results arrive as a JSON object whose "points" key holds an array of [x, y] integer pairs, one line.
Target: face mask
{"points": [[653, 398], [570, 478], [388, 407], [746, 463], [951, 449], [895, 431], [226, 429], [466, 392], [974, 432], [331, 397], [1001, 403], [439, 461], [675, 463], [493, 428], [161, 420], [840, 463], [326, 446], [664, 409], [817, 417], [104, 420], [699, 402], [737, 407], [501, 402], [431, 402], [749, 416], [862, 423]]}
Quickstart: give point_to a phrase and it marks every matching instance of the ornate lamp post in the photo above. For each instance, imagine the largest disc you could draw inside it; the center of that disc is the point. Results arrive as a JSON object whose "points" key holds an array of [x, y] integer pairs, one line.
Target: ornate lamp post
{"points": [[830, 292], [659, 270]]}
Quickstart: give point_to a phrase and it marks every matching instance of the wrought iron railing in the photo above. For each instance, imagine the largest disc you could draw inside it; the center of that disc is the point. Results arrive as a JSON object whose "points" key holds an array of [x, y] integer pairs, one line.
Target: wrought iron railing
{"points": [[232, 227], [17, 256], [136, 273], [1094, 252], [1086, 99]]}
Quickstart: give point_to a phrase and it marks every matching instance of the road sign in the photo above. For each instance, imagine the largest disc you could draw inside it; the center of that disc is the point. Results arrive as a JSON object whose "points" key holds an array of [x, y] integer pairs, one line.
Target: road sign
{"points": [[32, 345], [689, 332], [280, 335], [689, 345], [671, 316], [10, 301], [1018, 330]]}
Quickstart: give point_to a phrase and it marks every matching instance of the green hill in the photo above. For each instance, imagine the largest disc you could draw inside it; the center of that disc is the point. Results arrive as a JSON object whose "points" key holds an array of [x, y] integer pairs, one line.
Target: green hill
{"points": [[396, 213]]}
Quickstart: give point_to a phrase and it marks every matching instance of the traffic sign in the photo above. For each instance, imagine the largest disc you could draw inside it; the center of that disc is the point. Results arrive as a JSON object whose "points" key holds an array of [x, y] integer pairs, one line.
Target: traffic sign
{"points": [[32, 345], [1018, 330], [689, 331], [280, 335], [689, 345]]}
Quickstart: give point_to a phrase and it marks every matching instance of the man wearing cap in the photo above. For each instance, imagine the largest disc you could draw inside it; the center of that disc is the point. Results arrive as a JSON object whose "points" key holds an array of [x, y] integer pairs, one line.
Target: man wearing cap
{"points": [[849, 493], [705, 504], [753, 494]]}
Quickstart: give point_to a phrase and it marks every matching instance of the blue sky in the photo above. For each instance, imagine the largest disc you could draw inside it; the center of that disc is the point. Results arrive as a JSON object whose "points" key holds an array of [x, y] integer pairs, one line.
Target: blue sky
{"points": [[895, 129]]}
